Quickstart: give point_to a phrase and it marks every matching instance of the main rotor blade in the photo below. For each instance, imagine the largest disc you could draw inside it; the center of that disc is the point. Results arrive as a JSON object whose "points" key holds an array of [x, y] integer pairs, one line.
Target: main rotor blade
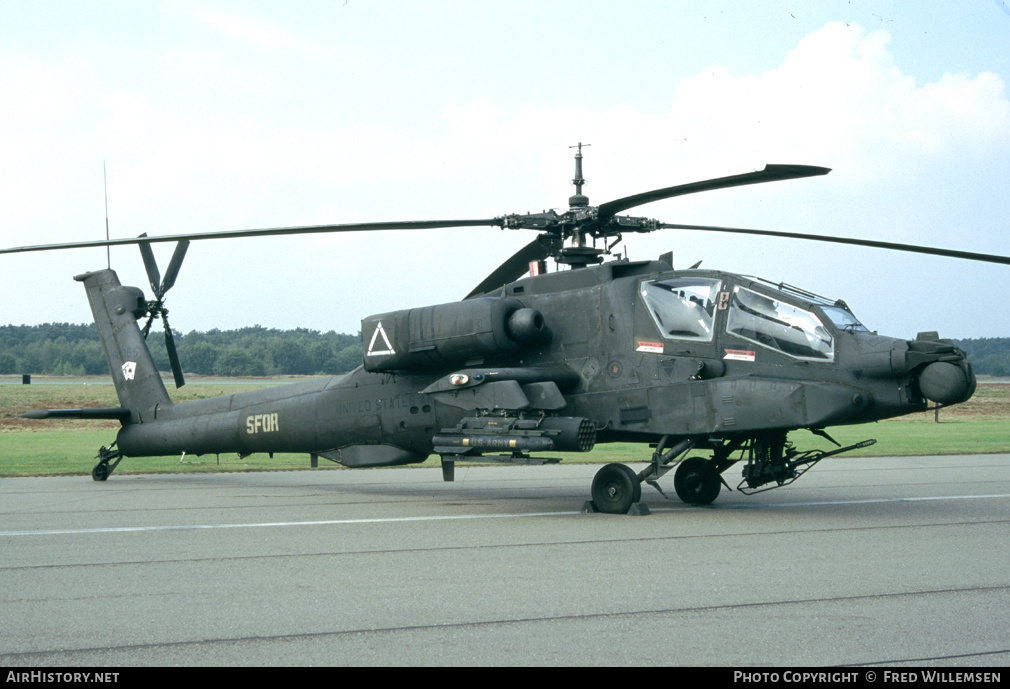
{"points": [[153, 274], [771, 173], [912, 248], [174, 265], [515, 266], [269, 231]]}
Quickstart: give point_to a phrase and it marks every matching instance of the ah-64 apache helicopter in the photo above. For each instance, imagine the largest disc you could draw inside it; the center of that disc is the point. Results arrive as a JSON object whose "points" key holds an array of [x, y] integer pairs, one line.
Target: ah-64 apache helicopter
{"points": [[553, 362]]}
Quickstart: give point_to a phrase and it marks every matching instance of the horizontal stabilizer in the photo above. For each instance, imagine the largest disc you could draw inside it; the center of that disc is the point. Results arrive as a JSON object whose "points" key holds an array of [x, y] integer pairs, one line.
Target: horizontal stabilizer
{"points": [[116, 413]]}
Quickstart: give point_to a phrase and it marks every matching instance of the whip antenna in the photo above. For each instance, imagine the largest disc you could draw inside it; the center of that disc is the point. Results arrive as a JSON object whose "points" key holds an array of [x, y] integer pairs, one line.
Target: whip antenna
{"points": [[108, 249]]}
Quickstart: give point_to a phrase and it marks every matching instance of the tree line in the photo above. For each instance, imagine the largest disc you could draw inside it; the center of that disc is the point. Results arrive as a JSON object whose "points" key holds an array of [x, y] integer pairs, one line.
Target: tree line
{"points": [[989, 356], [69, 349]]}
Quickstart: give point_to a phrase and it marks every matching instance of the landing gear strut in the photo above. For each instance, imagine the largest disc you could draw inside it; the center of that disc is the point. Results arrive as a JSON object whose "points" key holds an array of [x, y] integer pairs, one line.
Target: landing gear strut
{"points": [[697, 481], [105, 465]]}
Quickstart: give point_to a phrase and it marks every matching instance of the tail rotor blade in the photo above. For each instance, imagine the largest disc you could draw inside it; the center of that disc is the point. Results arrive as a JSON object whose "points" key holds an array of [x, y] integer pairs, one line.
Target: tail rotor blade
{"points": [[147, 326], [153, 274], [173, 355], [174, 265]]}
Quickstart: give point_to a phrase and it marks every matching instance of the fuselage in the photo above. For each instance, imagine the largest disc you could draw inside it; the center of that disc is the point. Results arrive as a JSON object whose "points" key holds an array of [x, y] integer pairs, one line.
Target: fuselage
{"points": [[641, 350]]}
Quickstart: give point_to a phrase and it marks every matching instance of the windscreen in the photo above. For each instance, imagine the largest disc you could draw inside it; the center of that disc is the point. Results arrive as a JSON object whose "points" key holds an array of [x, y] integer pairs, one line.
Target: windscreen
{"points": [[843, 318]]}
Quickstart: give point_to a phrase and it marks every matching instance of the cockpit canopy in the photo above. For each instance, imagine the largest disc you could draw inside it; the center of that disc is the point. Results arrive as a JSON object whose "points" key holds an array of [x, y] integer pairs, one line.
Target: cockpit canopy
{"points": [[689, 308]]}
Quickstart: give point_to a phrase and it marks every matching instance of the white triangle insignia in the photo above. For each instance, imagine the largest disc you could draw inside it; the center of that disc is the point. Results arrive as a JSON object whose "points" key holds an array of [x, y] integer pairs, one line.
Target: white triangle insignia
{"points": [[371, 345]]}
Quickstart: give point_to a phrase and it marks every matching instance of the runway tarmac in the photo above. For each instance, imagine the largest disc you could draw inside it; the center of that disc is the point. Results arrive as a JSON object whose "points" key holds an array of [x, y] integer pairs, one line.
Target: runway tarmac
{"points": [[887, 561]]}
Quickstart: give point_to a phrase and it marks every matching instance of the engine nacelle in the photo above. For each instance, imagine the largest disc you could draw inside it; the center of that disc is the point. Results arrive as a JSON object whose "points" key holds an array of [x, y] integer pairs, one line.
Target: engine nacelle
{"points": [[461, 333]]}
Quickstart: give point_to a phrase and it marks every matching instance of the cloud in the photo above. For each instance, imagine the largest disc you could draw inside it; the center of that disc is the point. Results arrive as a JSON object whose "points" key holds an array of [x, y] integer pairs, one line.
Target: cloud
{"points": [[244, 28], [838, 97]]}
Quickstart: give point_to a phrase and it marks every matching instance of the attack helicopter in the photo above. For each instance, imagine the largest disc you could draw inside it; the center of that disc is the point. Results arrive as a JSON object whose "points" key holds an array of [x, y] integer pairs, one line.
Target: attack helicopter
{"points": [[533, 362]]}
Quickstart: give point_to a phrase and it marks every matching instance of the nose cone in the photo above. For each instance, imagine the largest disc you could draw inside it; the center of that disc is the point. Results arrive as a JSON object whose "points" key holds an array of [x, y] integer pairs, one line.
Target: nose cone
{"points": [[946, 383]]}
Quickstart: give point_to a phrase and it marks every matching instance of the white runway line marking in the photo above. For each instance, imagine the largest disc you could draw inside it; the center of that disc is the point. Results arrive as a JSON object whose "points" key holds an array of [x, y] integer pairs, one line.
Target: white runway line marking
{"points": [[321, 522], [872, 500], [460, 517]]}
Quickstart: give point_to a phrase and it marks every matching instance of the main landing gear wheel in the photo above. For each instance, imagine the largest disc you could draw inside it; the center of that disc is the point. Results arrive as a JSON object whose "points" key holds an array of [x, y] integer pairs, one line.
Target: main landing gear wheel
{"points": [[696, 482], [615, 488], [101, 471]]}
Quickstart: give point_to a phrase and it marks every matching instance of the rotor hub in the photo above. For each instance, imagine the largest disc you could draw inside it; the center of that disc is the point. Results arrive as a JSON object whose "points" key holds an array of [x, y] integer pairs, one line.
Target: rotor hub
{"points": [[580, 256]]}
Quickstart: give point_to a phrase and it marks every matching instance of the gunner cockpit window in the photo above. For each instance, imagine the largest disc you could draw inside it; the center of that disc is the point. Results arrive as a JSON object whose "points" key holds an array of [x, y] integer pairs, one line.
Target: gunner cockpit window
{"points": [[683, 308], [778, 325]]}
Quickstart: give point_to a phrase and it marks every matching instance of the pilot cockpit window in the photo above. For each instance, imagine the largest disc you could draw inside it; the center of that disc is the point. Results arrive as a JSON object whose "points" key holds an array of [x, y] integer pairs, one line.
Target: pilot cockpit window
{"points": [[683, 308], [778, 325]]}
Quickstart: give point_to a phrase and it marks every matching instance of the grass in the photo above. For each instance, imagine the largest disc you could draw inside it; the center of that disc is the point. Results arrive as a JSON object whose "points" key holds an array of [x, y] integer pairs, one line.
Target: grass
{"points": [[68, 447]]}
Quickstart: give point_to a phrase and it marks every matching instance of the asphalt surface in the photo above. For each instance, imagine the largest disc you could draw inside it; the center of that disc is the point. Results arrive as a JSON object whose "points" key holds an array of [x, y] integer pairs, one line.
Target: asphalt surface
{"points": [[893, 561]]}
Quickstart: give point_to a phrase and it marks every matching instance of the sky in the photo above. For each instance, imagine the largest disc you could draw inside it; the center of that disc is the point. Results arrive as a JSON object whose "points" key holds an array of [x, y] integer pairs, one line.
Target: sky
{"points": [[217, 115]]}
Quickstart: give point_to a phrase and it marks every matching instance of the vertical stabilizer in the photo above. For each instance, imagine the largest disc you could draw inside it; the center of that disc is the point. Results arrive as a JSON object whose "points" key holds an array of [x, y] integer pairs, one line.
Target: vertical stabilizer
{"points": [[116, 309]]}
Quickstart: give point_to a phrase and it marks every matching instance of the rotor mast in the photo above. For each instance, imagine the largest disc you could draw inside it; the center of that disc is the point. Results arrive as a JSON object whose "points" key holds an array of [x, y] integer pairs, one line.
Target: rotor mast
{"points": [[578, 255], [578, 201]]}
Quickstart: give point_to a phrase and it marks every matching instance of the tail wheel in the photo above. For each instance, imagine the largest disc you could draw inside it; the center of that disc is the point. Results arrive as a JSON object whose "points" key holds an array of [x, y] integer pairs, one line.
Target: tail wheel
{"points": [[696, 482], [615, 488]]}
